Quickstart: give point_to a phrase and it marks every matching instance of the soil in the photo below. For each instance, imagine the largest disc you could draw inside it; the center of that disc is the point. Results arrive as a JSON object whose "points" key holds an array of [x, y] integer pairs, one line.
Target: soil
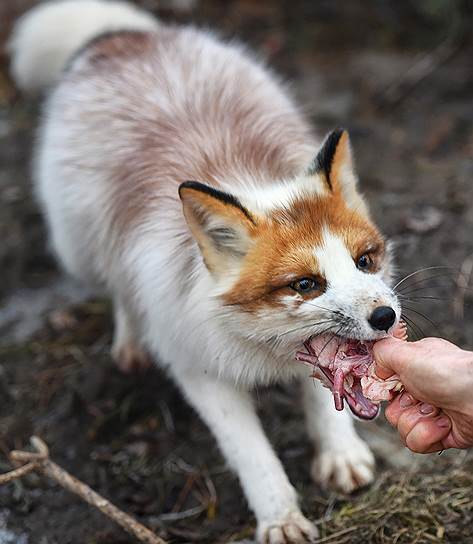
{"points": [[133, 438]]}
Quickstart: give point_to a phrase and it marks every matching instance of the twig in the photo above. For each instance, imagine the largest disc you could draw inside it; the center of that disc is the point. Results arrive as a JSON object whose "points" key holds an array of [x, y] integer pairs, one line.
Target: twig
{"points": [[184, 493], [458, 35], [17, 473], [184, 514], [39, 460], [418, 72]]}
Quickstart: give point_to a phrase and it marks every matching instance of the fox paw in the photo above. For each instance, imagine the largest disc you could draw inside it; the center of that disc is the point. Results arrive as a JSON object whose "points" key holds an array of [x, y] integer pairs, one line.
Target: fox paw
{"points": [[294, 528], [131, 358], [344, 470]]}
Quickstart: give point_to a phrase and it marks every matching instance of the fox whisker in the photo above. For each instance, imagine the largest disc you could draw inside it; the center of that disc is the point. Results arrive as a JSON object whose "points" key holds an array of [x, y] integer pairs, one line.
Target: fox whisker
{"points": [[415, 328], [409, 309], [405, 278], [307, 326]]}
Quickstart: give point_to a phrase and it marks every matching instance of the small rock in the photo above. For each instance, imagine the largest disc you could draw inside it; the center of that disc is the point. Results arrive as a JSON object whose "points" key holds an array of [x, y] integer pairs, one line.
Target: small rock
{"points": [[424, 219], [61, 320], [139, 448]]}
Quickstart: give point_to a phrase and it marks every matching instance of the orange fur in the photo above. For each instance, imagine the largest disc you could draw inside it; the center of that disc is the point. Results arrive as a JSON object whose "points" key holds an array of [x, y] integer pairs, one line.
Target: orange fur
{"points": [[284, 243], [341, 159]]}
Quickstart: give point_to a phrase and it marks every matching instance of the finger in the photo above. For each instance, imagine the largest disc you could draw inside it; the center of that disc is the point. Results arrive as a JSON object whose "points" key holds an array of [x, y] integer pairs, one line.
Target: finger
{"points": [[426, 436], [451, 441], [397, 406], [391, 355], [438, 446], [409, 418]]}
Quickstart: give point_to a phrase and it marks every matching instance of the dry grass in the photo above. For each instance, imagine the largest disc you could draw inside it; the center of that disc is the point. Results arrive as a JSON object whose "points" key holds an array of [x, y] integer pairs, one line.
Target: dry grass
{"points": [[407, 508]]}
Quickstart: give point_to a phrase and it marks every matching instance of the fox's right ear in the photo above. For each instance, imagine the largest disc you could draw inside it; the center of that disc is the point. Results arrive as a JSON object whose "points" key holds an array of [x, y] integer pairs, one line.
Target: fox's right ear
{"points": [[221, 225]]}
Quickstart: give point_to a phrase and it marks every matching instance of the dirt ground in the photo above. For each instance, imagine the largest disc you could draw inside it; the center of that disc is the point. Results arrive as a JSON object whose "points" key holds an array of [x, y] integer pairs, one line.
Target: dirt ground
{"points": [[398, 75]]}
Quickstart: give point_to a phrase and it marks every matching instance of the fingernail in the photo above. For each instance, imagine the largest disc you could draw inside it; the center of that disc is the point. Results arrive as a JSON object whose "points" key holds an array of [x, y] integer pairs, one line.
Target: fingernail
{"points": [[406, 400], [426, 408], [443, 422]]}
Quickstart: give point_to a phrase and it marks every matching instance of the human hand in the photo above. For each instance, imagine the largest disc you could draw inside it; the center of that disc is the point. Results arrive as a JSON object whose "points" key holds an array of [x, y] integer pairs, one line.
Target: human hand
{"points": [[435, 412]]}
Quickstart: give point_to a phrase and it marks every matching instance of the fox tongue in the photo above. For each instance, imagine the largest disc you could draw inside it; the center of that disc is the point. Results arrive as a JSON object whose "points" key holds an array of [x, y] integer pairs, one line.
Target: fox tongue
{"points": [[360, 405]]}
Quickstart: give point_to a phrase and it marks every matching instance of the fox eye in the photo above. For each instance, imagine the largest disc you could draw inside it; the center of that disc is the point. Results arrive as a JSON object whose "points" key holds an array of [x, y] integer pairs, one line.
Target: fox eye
{"points": [[364, 262], [304, 285]]}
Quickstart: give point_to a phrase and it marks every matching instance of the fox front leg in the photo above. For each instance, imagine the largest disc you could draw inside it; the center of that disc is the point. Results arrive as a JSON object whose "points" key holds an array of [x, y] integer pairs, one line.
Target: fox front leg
{"points": [[343, 461], [231, 416]]}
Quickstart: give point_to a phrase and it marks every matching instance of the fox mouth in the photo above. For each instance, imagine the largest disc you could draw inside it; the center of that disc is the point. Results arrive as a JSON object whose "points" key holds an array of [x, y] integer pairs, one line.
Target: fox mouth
{"points": [[341, 364]]}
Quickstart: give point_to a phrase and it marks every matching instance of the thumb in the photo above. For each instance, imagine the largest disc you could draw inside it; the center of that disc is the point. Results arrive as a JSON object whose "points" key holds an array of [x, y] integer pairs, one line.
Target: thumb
{"points": [[391, 356]]}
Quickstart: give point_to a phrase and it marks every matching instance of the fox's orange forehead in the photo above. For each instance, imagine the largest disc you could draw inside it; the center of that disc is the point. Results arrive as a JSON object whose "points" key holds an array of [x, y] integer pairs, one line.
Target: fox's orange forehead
{"points": [[284, 243]]}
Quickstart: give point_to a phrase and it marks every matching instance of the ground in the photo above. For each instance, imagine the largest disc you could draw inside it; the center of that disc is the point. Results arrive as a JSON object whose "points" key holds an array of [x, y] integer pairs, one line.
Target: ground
{"points": [[398, 76]]}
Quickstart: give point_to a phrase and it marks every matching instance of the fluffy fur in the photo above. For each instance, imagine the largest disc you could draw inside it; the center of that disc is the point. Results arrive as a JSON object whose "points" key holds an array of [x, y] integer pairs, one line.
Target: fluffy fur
{"points": [[202, 278], [49, 34]]}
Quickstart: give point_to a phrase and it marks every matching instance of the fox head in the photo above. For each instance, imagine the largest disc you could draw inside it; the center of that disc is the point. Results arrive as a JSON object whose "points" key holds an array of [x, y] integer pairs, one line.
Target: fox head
{"points": [[299, 258]]}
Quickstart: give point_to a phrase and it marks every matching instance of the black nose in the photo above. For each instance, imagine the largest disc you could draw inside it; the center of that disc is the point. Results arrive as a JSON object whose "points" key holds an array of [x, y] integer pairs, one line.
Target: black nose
{"points": [[382, 318]]}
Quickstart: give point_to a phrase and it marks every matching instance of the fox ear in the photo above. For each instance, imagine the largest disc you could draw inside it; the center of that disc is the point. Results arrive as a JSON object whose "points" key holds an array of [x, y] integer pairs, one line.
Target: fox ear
{"points": [[334, 164], [221, 225]]}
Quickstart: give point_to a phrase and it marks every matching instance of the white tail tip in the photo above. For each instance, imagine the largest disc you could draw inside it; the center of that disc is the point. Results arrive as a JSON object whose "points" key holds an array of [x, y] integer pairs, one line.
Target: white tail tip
{"points": [[46, 37]]}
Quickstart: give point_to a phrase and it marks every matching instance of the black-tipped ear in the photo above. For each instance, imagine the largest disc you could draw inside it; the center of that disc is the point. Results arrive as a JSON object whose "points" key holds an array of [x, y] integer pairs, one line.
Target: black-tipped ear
{"points": [[221, 225], [334, 166], [225, 198], [324, 161]]}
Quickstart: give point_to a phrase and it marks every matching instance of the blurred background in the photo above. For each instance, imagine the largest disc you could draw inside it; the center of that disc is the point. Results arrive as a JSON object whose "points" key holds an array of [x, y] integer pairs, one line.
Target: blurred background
{"points": [[399, 76]]}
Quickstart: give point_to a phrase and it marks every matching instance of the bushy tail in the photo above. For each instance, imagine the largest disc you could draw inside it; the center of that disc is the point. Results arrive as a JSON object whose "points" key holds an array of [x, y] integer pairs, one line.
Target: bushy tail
{"points": [[46, 37]]}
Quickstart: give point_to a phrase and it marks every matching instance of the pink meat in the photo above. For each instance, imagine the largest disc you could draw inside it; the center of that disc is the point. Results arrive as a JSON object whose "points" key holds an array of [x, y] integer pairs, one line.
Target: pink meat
{"points": [[347, 368], [376, 389]]}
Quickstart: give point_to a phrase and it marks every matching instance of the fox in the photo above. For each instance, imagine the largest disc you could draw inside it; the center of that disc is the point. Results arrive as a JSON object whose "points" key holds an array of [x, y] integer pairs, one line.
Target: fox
{"points": [[177, 174]]}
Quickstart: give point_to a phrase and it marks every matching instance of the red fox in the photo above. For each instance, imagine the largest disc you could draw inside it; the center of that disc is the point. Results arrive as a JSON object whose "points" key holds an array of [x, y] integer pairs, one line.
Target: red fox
{"points": [[177, 173]]}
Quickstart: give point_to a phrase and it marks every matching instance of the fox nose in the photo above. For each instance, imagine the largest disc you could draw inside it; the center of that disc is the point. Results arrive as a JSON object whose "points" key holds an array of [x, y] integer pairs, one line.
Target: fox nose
{"points": [[382, 318]]}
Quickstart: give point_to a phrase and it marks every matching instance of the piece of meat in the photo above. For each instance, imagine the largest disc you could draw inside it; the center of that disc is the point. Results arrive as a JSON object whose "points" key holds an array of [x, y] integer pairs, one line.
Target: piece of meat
{"points": [[376, 389], [347, 368]]}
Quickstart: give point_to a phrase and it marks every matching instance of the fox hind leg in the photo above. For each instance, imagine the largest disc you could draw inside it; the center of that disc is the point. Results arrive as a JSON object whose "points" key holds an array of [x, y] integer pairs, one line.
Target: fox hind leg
{"points": [[127, 353]]}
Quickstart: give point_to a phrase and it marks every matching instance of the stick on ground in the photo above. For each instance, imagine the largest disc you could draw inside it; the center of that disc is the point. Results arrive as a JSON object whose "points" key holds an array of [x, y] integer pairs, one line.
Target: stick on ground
{"points": [[40, 461]]}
